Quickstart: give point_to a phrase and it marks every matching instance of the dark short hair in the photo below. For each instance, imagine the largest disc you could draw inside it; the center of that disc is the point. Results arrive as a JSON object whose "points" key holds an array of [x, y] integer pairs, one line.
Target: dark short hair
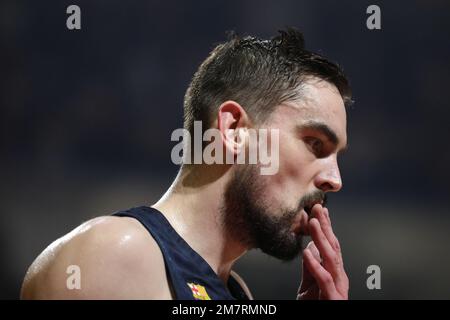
{"points": [[258, 74]]}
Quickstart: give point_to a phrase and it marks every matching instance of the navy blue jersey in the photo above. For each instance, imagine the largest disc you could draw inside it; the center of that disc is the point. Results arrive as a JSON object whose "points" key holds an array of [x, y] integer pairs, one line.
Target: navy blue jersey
{"points": [[190, 276]]}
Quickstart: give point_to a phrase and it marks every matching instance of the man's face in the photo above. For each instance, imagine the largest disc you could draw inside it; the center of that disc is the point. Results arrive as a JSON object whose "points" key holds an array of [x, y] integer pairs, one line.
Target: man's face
{"points": [[270, 212]]}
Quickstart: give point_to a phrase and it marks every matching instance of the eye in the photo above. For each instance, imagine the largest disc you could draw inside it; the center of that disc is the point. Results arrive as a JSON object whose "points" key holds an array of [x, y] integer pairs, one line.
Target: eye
{"points": [[315, 145]]}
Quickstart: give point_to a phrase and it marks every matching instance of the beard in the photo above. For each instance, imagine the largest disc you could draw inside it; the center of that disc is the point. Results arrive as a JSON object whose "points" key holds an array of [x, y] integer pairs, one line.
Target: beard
{"points": [[249, 219]]}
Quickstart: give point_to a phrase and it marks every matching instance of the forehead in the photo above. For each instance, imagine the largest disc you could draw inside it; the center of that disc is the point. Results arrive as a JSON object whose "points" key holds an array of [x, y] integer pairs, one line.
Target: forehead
{"points": [[319, 101]]}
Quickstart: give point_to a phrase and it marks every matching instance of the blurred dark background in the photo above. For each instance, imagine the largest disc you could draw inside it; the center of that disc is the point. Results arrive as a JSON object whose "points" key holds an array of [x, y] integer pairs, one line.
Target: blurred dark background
{"points": [[86, 118]]}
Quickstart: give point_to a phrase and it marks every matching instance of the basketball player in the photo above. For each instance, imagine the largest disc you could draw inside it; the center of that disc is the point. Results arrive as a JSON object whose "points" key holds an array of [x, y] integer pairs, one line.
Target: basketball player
{"points": [[185, 245]]}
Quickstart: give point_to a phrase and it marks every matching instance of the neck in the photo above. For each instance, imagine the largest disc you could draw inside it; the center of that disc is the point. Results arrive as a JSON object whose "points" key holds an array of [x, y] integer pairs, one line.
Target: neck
{"points": [[192, 205]]}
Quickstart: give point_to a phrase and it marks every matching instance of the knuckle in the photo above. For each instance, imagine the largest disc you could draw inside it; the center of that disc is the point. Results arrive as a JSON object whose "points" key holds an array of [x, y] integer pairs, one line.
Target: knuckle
{"points": [[337, 246], [311, 245], [336, 260], [327, 279], [332, 257]]}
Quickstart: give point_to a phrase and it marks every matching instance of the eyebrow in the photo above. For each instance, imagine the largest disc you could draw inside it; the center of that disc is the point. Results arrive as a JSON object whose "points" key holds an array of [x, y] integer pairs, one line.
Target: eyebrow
{"points": [[325, 130]]}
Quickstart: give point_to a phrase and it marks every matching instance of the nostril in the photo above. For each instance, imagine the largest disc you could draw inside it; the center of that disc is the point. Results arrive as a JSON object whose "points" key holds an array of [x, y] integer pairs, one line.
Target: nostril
{"points": [[327, 187]]}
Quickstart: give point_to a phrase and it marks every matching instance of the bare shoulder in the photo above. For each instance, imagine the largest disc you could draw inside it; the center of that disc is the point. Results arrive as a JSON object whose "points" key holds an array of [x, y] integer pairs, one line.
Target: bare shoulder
{"points": [[104, 258], [242, 284]]}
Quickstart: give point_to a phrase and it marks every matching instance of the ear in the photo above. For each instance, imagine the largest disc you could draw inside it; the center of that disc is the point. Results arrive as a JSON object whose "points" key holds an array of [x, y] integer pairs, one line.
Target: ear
{"points": [[233, 122]]}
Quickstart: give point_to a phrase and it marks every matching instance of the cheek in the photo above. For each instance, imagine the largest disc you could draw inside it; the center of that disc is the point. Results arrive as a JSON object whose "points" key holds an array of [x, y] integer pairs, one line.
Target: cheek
{"points": [[292, 178], [294, 160]]}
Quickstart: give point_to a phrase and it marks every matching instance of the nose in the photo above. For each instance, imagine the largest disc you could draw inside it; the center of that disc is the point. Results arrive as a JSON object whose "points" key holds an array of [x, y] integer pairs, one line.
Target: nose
{"points": [[329, 179]]}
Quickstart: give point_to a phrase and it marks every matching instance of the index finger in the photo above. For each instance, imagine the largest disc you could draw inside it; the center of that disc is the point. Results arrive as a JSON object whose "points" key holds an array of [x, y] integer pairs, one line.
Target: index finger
{"points": [[327, 228]]}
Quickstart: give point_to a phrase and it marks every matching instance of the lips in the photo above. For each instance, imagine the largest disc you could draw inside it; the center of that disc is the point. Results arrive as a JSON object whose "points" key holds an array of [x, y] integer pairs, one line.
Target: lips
{"points": [[300, 225], [308, 208]]}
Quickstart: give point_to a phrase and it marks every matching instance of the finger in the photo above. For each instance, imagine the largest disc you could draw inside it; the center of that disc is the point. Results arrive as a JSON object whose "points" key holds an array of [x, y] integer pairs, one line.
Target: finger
{"points": [[315, 252], [307, 279], [340, 276], [325, 223], [323, 277], [343, 281], [331, 260], [328, 230]]}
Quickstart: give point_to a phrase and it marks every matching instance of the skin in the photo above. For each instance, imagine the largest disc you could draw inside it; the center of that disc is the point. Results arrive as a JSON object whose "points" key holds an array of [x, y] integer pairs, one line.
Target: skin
{"points": [[120, 260]]}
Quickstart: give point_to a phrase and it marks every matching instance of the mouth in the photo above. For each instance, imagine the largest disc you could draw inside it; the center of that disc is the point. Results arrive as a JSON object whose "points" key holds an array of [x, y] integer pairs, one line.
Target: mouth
{"points": [[309, 206], [301, 221]]}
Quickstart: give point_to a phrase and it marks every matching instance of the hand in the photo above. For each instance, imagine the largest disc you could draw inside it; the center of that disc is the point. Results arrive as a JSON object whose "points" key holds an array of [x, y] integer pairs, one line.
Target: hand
{"points": [[324, 276]]}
